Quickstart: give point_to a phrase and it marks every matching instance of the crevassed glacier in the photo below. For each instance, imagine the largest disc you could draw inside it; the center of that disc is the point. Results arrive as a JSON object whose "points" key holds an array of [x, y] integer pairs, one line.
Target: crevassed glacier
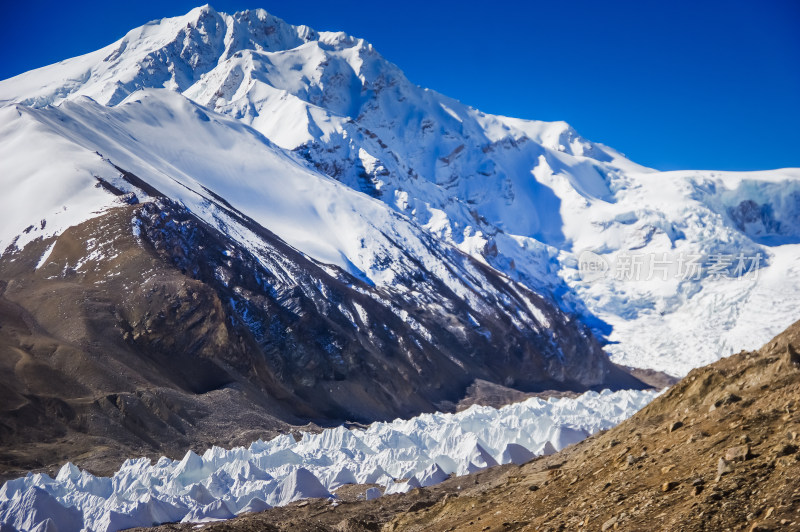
{"points": [[221, 483]]}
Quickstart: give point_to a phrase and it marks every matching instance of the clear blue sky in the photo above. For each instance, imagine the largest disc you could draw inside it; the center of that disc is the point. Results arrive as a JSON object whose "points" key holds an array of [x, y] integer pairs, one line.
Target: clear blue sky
{"points": [[673, 84]]}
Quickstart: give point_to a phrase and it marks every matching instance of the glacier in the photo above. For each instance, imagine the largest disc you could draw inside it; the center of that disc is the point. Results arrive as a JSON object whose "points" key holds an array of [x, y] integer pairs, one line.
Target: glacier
{"points": [[399, 456]]}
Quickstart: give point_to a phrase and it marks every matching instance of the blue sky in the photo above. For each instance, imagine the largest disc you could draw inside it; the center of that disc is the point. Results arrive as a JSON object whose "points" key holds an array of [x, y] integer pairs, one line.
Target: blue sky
{"points": [[672, 84]]}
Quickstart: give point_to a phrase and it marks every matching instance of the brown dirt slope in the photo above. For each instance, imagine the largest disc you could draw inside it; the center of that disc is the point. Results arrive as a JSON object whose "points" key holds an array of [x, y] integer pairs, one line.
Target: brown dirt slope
{"points": [[718, 451]]}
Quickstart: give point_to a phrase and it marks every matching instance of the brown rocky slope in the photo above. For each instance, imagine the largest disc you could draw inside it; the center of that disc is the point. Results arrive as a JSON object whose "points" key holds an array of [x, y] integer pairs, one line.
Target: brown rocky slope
{"points": [[717, 451]]}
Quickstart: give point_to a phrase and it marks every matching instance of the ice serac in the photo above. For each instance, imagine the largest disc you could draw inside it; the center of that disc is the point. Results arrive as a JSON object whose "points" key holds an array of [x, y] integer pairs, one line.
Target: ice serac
{"points": [[433, 474], [144, 493], [516, 454], [215, 511], [35, 507], [254, 506], [300, 484], [565, 435]]}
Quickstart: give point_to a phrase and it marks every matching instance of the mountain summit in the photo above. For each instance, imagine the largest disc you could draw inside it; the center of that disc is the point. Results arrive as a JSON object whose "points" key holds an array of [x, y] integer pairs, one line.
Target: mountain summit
{"points": [[524, 197], [222, 223]]}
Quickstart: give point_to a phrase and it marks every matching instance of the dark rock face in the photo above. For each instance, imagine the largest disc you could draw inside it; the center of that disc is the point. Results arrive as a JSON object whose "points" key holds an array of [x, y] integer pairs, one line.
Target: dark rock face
{"points": [[748, 212], [337, 342], [147, 331]]}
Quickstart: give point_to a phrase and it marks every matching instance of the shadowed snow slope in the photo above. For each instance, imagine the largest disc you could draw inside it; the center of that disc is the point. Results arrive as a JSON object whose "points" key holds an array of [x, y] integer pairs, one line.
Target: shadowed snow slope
{"points": [[525, 197], [425, 450]]}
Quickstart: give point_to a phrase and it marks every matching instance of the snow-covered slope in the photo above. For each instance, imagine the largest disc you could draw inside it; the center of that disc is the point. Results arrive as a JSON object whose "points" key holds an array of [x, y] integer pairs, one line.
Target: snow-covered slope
{"points": [[525, 197], [719, 260], [157, 143], [222, 482], [190, 157]]}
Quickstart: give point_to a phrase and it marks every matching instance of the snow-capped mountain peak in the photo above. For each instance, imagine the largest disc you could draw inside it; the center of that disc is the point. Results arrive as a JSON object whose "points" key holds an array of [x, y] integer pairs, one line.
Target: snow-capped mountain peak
{"points": [[522, 196], [173, 53]]}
